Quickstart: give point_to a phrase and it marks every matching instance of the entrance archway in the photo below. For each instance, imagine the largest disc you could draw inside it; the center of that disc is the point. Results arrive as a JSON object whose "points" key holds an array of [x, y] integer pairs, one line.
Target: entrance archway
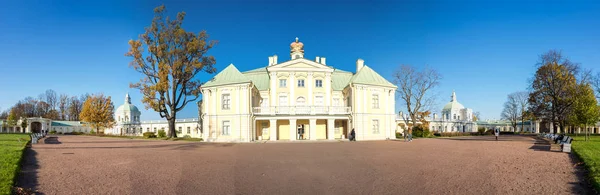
{"points": [[36, 127]]}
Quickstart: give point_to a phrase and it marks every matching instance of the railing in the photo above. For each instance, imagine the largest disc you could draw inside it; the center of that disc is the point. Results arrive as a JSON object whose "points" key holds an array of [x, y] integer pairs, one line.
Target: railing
{"points": [[300, 110]]}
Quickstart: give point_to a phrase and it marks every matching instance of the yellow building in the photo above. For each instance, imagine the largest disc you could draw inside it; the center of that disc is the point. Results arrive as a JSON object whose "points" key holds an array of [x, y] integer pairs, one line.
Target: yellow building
{"points": [[299, 99]]}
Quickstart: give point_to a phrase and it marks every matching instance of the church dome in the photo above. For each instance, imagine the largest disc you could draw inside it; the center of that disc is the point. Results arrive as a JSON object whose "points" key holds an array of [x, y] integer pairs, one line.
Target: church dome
{"points": [[127, 107], [453, 104]]}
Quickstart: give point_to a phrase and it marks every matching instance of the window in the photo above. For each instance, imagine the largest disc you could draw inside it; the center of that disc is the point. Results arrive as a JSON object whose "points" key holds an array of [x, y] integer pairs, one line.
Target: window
{"points": [[179, 130], [148, 129], [154, 129], [188, 130], [226, 104], [282, 82], [283, 100], [319, 100], [265, 102], [301, 83], [454, 116], [319, 83], [458, 117], [226, 125], [375, 101], [336, 101], [376, 126], [300, 101]]}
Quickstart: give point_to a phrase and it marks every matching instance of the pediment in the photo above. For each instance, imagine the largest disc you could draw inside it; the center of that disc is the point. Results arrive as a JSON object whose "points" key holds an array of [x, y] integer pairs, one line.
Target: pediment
{"points": [[300, 65]]}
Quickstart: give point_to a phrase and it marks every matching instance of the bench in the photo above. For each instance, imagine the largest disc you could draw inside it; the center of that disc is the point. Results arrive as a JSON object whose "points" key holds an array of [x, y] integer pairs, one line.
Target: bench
{"points": [[565, 144]]}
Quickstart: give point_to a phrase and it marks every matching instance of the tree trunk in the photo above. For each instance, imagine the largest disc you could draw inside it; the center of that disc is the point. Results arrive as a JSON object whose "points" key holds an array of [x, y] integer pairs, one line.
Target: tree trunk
{"points": [[172, 132]]}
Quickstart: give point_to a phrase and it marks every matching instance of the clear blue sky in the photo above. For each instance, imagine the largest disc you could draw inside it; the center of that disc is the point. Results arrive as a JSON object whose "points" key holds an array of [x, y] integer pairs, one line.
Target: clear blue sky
{"points": [[484, 49]]}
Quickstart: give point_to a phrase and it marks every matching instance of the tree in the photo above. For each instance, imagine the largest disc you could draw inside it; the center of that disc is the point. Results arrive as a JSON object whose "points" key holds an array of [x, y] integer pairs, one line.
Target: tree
{"points": [[476, 116], [51, 98], [511, 110], [24, 124], [175, 57], [12, 119], [552, 88], [522, 100], [98, 112], [595, 81], [75, 105], [585, 111], [414, 88], [63, 106]]}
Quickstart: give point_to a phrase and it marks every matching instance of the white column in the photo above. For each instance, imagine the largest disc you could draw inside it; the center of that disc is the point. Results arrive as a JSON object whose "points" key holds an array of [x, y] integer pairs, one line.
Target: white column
{"points": [[273, 90], [330, 129], [310, 85], [205, 121], [253, 136], [273, 129], [348, 128], [327, 85], [292, 98], [293, 129], [313, 129]]}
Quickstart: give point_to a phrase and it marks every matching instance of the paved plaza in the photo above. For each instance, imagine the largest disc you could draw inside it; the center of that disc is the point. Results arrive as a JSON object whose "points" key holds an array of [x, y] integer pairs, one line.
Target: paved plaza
{"points": [[468, 165]]}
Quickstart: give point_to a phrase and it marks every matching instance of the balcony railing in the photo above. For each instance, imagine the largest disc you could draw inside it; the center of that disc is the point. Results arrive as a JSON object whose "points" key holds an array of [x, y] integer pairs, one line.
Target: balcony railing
{"points": [[301, 110]]}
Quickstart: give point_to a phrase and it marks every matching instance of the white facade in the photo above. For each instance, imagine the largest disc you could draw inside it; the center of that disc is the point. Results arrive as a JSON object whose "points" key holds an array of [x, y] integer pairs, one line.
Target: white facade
{"points": [[454, 118], [299, 99]]}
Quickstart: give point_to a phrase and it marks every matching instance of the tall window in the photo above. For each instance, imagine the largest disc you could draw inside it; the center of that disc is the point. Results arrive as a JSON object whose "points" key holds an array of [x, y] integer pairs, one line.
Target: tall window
{"points": [[282, 82], [376, 126], [319, 100], [336, 101], [265, 102], [318, 83], [375, 101], [226, 126], [301, 83], [179, 130], [454, 116], [154, 129], [147, 129], [189, 131], [283, 100], [226, 102]]}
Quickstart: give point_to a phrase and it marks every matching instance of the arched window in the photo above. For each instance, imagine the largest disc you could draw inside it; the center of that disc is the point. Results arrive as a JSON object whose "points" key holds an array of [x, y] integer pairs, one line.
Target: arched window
{"points": [[300, 101]]}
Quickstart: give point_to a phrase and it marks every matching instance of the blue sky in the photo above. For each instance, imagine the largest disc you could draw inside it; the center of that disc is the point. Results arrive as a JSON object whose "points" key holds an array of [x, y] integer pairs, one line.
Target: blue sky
{"points": [[484, 49]]}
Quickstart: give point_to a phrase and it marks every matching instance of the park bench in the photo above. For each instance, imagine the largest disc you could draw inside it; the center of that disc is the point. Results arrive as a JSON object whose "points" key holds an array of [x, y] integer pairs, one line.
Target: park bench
{"points": [[565, 144]]}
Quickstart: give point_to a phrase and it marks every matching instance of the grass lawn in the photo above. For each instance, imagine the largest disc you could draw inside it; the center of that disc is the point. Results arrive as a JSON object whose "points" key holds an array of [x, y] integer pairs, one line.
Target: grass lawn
{"points": [[11, 152], [589, 153]]}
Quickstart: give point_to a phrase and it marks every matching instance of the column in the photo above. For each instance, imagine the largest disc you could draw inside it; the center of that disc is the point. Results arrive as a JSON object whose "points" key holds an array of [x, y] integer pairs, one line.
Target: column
{"points": [[348, 128], [312, 123], [309, 85], [578, 129], [292, 98], [273, 129], [253, 137], [327, 85], [330, 129], [293, 130], [273, 90]]}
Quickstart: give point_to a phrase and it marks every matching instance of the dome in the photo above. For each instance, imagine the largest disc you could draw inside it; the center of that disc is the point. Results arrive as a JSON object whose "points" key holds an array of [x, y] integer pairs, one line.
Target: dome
{"points": [[297, 46], [453, 104], [127, 107]]}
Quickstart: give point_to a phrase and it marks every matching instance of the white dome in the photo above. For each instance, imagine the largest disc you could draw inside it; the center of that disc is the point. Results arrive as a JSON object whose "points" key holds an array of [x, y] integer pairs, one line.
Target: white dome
{"points": [[453, 104], [128, 108]]}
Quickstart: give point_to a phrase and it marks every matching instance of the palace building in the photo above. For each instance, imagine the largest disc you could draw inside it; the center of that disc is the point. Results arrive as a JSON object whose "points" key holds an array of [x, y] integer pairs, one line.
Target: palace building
{"points": [[297, 99]]}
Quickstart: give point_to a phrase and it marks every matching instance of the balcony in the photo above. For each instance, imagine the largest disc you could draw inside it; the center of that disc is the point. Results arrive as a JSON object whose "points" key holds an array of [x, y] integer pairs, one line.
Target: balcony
{"points": [[301, 110]]}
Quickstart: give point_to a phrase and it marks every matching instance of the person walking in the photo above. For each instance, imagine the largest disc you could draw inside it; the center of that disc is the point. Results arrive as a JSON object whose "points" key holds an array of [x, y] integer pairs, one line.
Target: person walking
{"points": [[352, 135], [497, 133], [409, 134]]}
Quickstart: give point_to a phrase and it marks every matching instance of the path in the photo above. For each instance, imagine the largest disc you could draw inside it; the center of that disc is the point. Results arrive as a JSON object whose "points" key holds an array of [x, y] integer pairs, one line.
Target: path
{"points": [[470, 165]]}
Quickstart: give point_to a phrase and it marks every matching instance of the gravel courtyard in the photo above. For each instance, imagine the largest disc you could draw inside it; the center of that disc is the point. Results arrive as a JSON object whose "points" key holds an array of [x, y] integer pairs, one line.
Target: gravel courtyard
{"points": [[468, 165]]}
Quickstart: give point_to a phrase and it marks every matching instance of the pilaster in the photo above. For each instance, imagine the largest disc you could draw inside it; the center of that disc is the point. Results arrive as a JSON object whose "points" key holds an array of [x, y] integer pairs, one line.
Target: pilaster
{"points": [[293, 130], [313, 129], [273, 129], [330, 129]]}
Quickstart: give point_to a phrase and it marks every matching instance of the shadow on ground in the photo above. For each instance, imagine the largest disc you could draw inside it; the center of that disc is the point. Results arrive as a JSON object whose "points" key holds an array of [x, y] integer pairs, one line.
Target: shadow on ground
{"points": [[27, 180], [51, 140], [584, 185]]}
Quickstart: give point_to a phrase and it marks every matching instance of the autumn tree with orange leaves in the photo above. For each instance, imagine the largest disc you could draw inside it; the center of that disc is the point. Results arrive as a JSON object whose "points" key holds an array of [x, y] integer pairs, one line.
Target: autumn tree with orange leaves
{"points": [[174, 57], [98, 112]]}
